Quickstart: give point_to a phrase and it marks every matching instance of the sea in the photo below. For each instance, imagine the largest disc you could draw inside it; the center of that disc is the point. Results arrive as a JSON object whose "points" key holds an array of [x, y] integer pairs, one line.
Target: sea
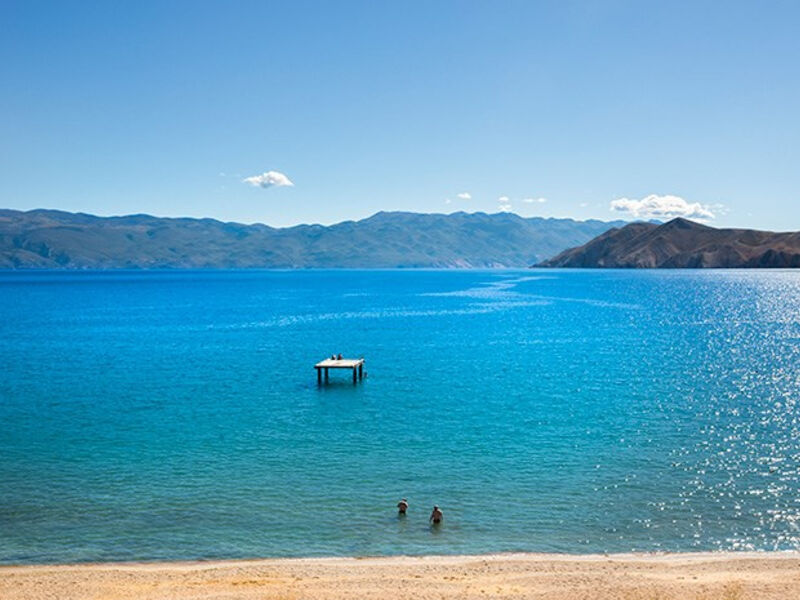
{"points": [[160, 415]]}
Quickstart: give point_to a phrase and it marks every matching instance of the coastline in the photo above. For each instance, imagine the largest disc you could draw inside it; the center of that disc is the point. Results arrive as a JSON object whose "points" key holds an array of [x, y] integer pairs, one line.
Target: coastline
{"points": [[702, 575]]}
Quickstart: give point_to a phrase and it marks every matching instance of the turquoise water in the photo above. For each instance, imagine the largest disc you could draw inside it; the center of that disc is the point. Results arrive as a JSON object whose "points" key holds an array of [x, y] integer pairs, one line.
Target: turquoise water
{"points": [[174, 415]]}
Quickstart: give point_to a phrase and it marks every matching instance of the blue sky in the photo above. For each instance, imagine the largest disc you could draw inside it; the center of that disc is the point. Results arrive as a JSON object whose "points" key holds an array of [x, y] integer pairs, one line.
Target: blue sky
{"points": [[578, 107]]}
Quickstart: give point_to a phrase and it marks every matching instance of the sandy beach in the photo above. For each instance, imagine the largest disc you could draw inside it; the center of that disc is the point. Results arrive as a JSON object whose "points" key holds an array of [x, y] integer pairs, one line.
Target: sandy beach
{"points": [[706, 576]]}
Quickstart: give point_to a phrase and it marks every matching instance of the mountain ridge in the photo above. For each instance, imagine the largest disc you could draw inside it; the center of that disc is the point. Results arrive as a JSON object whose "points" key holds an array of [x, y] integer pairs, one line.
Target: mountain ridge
{"points": [[681, 243], [49, 238]]}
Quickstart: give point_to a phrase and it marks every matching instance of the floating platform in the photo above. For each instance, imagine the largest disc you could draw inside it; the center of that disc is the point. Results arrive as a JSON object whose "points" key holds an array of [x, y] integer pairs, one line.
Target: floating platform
{"points": [[356, 364]]}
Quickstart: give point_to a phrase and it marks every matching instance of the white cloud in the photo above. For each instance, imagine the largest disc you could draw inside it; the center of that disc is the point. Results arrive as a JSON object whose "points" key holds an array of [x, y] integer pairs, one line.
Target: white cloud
{"points": [[464, 196], [532, 200], [447, 201], [269, 179], [583, 204], [504, 204], [662, 207]]}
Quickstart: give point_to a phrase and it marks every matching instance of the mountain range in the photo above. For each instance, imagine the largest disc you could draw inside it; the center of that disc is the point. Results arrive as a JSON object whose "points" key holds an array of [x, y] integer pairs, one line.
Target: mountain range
{"points": [[680, 243], [56, 239]]}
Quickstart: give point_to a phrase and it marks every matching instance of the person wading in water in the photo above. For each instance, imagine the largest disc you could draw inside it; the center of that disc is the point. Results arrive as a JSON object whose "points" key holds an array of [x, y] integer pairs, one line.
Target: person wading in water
{"points": [[436, 516], [402, 507]]}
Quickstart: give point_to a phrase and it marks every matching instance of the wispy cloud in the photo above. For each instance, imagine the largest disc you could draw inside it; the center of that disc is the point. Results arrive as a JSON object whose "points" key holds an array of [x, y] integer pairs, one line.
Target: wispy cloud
{"points": [[534, 200], [464, 196], [504, 203], [662, 207], [269, 179]]}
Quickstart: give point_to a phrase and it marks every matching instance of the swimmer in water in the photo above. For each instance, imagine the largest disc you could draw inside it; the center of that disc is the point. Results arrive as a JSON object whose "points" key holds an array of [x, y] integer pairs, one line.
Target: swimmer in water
{"points": [[402, 506], [436, 516]]}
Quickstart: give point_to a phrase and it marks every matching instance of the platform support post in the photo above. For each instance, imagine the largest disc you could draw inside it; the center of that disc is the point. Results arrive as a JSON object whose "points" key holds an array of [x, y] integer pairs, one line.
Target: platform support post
{"points": [[319, 376]]}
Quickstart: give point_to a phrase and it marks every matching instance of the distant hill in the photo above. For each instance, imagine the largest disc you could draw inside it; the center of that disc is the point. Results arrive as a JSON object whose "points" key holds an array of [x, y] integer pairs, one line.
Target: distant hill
{"points": [[56, 239], [683, 244]]}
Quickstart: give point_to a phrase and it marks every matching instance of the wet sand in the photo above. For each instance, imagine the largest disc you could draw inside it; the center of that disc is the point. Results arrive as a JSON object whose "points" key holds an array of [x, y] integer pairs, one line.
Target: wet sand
{"points": [[706, 576]]}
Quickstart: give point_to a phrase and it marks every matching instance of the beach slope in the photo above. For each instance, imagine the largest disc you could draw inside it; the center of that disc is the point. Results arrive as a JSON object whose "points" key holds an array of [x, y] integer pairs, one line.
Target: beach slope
{"points": [[728, 576]]}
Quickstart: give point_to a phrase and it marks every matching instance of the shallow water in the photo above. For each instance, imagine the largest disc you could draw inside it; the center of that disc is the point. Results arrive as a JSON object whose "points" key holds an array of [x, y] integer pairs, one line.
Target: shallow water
{"points": [[176, 415]]}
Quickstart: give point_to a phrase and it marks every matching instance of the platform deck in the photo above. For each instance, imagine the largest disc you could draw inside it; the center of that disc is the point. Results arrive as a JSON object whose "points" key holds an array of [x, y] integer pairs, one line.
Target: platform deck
{"points": [[356, 364]]}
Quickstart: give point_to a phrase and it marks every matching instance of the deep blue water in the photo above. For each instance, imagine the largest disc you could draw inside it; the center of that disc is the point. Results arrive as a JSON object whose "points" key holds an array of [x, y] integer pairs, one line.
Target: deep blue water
{"points": [[167, 415]]}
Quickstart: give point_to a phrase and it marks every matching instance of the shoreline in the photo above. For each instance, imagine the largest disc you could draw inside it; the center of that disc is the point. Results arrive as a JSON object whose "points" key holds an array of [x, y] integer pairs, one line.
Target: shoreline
{"points": [[443, 558], [724, 575]]}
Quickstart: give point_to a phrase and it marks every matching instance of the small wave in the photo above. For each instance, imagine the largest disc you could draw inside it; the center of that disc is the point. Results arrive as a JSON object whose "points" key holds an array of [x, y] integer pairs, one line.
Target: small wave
{"points": [[592, 302], [504, 290], [475, 309], [491, 289]]}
